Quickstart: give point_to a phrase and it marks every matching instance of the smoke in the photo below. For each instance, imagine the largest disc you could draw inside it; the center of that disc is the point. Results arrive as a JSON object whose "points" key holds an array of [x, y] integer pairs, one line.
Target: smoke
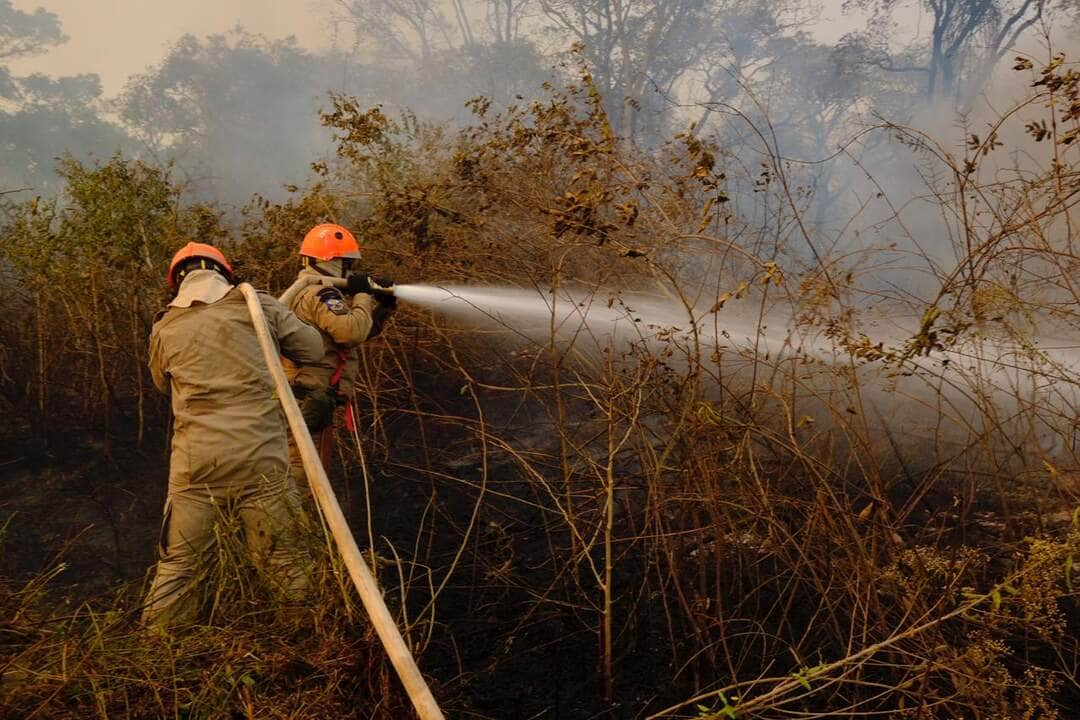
{"points": [[220, 89], [892, 165], [924, 410]]}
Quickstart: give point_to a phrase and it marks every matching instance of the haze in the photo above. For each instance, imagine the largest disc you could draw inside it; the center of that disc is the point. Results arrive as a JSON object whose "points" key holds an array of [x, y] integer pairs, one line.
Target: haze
{"points": [[231, 91], [116, 38]]}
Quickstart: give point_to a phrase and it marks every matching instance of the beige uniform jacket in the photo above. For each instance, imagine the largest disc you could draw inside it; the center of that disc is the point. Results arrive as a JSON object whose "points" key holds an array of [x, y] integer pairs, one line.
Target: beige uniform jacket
{"points": [[343, 326], [228, 421]]}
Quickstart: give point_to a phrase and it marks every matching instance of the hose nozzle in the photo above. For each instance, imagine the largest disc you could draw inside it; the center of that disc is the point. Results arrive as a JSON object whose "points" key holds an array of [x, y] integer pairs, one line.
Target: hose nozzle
{"points": [[370, 284], [380, 286]]}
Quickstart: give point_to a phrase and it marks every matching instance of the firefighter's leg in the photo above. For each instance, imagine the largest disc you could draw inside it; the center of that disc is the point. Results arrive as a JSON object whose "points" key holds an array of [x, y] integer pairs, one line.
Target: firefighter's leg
{"points": [[187, 536], [273, 522]]}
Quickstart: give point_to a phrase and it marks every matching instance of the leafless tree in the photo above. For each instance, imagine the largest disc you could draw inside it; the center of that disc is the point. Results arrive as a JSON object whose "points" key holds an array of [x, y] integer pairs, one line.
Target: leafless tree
{"points": [[966, 40], [504, 18], [406, 29], [634, 46], [416, 30]]}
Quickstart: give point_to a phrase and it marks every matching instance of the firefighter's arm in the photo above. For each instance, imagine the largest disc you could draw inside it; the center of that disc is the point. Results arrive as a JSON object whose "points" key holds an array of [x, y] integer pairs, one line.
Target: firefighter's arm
{"points": [[157, 362], [297, 340], [347, 325]]}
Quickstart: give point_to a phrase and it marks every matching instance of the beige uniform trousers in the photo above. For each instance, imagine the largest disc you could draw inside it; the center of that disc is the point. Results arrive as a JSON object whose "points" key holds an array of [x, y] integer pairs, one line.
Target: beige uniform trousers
{"points": [[269, 510]]}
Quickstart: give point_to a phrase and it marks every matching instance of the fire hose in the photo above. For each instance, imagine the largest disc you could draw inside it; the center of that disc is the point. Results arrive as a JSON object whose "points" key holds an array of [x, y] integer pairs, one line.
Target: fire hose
{"points": [[366, 586], [304, 280]]}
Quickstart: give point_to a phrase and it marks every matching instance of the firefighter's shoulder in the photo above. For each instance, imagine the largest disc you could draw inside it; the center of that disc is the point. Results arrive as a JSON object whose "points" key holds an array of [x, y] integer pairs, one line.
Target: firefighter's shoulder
{"points": [[334, 300]]}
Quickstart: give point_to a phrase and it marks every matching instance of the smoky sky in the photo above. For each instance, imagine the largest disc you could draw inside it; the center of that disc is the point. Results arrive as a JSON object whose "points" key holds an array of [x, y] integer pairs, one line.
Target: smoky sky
{"points": [[117, 38], [238, 111]]}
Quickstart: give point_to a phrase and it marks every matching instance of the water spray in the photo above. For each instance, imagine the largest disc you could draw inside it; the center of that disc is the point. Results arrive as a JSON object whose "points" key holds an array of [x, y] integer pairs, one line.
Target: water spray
{"points": [[587, 323]]}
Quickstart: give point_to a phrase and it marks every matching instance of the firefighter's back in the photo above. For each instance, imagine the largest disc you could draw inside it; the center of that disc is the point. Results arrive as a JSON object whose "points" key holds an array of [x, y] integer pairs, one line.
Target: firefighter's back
{"points": [[227, 416]]}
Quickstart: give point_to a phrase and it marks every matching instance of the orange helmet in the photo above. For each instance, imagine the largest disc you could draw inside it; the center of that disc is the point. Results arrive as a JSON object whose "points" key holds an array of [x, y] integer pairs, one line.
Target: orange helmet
{"points": [[329, 241], [196, 250]]}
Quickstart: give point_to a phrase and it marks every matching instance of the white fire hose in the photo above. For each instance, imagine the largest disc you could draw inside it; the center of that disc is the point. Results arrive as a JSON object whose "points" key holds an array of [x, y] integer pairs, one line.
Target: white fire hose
{"points": [[304, 280], [388, 633]]}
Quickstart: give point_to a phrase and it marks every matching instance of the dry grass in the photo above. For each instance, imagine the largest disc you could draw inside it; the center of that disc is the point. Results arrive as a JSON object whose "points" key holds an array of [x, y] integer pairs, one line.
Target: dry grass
{"points": [[667, 527], [250, 655]]}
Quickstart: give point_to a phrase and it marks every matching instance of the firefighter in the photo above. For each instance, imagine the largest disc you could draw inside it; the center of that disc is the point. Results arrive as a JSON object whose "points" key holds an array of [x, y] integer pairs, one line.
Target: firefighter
{"points": [[229, 446], [345, 317]]}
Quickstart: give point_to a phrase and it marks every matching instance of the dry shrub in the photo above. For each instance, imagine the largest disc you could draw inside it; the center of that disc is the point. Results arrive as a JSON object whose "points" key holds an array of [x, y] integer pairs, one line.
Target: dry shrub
{"points": [[82, 281], [671, 525], [697, 513]]}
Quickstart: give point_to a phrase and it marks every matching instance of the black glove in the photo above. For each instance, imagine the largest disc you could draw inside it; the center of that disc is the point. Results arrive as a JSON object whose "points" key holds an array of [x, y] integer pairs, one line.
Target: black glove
{"points": [[385, 304], [317, 407], [371, 285]]}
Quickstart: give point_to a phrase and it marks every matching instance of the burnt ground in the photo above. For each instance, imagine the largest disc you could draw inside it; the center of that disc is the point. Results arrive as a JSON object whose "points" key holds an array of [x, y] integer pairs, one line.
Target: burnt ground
{"points": [[93, 509], [496, 652]]}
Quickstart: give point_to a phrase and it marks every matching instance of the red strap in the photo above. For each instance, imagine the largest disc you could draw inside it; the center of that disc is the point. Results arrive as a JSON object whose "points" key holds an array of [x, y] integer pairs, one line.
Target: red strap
{"points": [[350, 412], [342, 358], [350, 416]]}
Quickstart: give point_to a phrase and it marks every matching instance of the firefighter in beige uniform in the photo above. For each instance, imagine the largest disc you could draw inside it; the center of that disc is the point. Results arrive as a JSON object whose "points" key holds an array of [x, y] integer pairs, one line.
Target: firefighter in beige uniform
{"points": [[345, 318], [229, 446]]}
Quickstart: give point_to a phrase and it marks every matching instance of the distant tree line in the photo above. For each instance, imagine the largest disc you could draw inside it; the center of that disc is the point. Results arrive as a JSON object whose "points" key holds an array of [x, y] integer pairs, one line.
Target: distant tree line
{"points": [[238, 113]]}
